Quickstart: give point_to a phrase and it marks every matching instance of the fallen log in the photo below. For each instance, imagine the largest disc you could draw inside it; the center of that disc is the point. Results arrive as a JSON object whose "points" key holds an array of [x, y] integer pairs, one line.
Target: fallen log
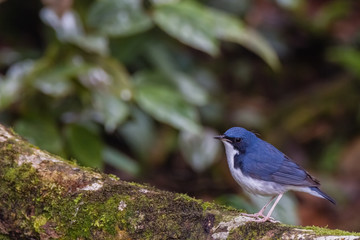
{"points": [[43, 196]]}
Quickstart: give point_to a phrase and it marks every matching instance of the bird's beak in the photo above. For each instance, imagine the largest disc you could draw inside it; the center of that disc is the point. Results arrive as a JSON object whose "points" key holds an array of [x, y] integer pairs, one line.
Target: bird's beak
{"points": [[221, 138]]}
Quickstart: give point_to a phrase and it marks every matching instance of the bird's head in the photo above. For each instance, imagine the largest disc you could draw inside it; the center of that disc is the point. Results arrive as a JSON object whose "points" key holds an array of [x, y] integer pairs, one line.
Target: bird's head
{"points": [[238, 137]]}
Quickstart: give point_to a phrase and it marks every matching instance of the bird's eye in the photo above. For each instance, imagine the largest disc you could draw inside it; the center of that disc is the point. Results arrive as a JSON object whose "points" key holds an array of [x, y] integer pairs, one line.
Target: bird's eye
{"points": [[237, 140]]}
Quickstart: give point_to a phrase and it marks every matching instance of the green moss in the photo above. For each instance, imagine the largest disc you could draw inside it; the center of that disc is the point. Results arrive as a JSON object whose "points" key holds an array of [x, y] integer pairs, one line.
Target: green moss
{"points": [[78, 198], [185, 197], [9, 146], [206, 206], [4, 237], [52, 210], [86, 216], [10, 175], [38, 222], [136, 184], [116, 178], [17, 192], [146, 215], [253, 230], [327, 231]]}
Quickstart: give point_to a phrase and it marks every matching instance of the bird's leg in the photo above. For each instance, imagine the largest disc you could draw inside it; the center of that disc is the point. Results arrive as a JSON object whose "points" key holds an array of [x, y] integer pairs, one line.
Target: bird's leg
{"points": [[260, 213], [271, 210]]}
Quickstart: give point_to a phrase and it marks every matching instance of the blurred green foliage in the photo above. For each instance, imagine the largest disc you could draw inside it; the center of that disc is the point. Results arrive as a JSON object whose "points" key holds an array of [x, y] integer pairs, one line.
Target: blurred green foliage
{"points": [[141, 85], [89, 79]]}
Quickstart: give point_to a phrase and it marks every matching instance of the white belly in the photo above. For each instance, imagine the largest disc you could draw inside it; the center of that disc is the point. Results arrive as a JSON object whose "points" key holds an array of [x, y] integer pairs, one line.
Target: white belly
{"points": [[249, 184]]}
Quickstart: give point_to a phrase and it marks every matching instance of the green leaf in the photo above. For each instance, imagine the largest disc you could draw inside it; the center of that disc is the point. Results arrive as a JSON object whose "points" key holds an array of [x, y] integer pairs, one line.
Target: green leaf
{"points": [[199, 149], [113, 111], [120, 161], [230, 28], [160, 2], [120, 85], [55, 80], [129, 50], [12, 85], [257, 44], [90, 43], [201, 27], [147, 77], [42, 132], [329, 14], [85, 145], [119, 18], [72, 31], [189, 88], [53, 74], [139, 133], [167, 106], [9, 90], [348, 57], [185, 21]]}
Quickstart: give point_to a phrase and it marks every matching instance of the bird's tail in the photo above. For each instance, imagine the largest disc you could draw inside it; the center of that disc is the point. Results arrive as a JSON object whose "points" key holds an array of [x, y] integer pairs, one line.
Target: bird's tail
{"points": [[317, 192]]}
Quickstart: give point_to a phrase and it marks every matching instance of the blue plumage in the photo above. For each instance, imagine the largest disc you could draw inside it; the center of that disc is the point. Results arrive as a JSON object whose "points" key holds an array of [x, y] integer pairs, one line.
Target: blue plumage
{"points": [[262, 169]]}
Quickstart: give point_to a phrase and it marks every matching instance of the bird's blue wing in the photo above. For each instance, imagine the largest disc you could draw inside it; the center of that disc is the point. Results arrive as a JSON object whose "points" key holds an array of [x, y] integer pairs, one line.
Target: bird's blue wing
{"points": [[267, 163]]}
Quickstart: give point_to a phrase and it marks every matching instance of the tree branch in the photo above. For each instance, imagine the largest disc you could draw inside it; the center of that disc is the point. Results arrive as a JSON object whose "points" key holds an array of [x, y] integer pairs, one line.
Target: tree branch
{"points": [[43, 197]]}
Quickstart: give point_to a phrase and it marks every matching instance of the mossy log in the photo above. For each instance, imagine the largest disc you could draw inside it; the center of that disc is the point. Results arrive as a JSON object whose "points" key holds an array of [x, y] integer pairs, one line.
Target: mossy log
{"points": [[45, 197]]}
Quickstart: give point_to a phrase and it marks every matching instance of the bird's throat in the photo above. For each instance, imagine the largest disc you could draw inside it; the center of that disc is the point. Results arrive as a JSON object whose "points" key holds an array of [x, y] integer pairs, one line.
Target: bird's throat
{"points": [[234, 157]]}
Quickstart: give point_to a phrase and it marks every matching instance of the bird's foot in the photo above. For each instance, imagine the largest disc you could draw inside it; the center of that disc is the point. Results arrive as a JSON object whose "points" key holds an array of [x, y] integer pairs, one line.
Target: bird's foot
{"points": [[255, 215], [259, 217], [266, 219]]}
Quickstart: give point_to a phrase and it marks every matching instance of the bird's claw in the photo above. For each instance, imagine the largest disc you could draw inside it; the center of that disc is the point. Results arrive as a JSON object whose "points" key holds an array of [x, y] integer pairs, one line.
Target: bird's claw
{"points": [[260, 217], [251, 214], [270, 219], [254, 215]]}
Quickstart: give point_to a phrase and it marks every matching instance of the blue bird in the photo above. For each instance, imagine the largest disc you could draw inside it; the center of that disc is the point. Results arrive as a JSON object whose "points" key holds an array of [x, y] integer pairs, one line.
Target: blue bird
{"points": [[261, 169]]}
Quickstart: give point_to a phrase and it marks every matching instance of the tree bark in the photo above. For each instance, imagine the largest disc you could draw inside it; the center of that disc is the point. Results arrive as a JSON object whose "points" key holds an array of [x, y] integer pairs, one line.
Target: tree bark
{"points": [[45, 197]]}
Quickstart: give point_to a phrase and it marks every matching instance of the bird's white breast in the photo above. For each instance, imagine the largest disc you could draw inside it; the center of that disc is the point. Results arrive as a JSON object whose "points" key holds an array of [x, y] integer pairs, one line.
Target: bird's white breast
{"points": [[249, 184]]}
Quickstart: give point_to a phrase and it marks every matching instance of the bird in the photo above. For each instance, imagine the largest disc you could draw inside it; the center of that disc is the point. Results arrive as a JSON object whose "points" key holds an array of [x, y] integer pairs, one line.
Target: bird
{"points": [[261, 169]]}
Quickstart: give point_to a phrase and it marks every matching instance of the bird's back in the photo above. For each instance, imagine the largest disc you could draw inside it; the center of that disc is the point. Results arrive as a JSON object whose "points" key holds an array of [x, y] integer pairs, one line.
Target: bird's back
{"points": [[265, 162]]}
